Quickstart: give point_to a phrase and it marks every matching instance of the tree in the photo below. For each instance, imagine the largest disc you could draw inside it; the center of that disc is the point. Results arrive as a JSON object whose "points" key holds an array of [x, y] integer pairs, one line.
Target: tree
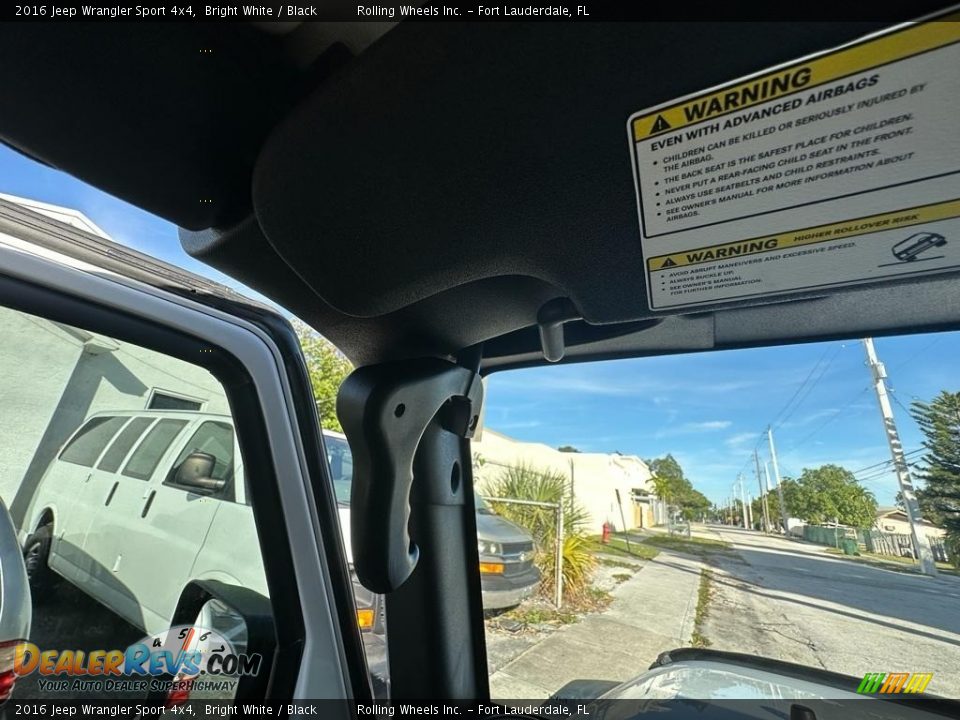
{"points": [[524, 482], [568, 449], [939, 421], [831, 493], [671, 484], [327, 368], [791, 498], [928, 508], [696, 505]]}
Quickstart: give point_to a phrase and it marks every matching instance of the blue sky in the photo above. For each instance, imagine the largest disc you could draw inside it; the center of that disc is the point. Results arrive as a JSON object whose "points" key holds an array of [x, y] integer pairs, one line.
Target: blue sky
{"points": [[707, 409]]}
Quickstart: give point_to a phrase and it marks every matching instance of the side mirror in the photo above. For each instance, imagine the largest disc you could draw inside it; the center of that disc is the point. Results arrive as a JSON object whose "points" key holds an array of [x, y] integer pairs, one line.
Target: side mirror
{"points": [[195, 471], [15, 601]]}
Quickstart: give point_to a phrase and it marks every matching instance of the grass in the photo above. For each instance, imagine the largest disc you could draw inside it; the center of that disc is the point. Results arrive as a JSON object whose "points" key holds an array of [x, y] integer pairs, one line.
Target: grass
{"points": [[889, 562], [539, 615], [611, 562], [704, 593], [691, 545], [622, 577], [618, 546]]}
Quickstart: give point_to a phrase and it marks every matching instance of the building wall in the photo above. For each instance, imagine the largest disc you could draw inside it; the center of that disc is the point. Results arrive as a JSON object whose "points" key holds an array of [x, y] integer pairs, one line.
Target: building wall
{"points": [[902, 527], [52, 377], [595, 477]]}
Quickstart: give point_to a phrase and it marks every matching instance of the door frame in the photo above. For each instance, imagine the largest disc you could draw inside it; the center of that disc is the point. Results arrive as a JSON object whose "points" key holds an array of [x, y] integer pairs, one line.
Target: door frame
{"points": [[319, 650]]}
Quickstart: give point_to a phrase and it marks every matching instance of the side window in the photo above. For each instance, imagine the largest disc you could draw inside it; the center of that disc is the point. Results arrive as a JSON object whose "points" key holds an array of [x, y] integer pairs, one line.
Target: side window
{"points": [[341, 467], [121, 446], [214, 438], [89, 442], [168, 401], [145, 458]]}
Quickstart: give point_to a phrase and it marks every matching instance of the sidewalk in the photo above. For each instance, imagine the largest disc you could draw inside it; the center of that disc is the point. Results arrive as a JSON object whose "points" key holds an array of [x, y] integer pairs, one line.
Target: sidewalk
{"points": [[650, 613]]}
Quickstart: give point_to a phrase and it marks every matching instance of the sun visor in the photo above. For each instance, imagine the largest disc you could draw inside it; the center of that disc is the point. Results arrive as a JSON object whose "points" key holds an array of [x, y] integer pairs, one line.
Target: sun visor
{"points": [[447, 154]]}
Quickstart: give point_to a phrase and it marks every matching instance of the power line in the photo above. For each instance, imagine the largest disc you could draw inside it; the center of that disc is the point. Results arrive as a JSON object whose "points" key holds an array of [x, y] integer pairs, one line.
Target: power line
{"points": [[829, 420], [887, 462], [804, 395], [776, 418], [902, 406], [917, 354], [780, 418]]}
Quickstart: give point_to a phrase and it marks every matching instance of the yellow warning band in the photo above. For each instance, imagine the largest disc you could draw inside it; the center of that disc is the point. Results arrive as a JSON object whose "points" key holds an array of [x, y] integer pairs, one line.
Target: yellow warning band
{"points": [[808, 236], [801, 76]]}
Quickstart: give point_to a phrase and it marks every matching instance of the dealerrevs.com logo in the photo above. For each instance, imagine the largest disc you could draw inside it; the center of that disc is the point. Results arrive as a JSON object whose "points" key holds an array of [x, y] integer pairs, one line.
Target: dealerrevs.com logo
{"points": [[894, 683], [184, 655]]}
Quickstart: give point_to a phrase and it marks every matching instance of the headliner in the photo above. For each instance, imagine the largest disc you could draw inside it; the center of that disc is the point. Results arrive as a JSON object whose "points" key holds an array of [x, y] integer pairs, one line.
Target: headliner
{"points": [[426, 192]]}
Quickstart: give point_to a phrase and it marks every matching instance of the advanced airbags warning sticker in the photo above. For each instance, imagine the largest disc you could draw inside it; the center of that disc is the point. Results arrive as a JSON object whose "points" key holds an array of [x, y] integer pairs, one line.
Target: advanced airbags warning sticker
{"points": [[838, 169]]}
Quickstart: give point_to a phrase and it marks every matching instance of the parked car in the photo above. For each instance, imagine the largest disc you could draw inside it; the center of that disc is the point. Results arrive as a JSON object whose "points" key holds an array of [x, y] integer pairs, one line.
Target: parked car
{"points": [[507, 572], [16, 609], [138, 503]]}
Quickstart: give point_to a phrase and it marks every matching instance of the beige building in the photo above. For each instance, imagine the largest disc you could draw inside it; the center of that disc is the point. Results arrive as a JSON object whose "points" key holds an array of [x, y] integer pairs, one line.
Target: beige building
{"points": [[894, 520], [596, 479]]}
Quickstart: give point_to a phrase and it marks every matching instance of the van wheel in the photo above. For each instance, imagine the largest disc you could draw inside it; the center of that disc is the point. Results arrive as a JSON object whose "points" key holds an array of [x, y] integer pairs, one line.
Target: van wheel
{"points": [[35, 555]]}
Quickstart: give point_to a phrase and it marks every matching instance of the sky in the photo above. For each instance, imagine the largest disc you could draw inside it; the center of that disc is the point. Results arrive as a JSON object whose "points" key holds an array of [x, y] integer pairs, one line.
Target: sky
{"points": [[709, 410]]}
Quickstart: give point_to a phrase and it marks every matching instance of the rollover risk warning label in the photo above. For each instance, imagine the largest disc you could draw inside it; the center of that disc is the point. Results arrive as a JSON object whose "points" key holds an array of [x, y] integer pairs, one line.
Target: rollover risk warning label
{"points": [[836, 169]]}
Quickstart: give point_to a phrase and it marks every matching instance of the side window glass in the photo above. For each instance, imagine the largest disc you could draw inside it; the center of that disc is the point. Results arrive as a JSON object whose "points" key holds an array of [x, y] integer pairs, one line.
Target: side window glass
{"points": [[121, 446], [341, 467], [89, 442], [168, 401], [145, 458]]}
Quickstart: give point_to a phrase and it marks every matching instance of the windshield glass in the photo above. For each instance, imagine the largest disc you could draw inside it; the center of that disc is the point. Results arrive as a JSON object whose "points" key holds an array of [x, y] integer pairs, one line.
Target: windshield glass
{"points": [[482, 506], [341, 467], [743, 501]]}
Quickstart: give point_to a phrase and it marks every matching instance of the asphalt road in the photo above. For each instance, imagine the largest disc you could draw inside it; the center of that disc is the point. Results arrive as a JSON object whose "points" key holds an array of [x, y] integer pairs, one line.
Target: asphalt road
{"points": [[70, 620], [789, 600]]}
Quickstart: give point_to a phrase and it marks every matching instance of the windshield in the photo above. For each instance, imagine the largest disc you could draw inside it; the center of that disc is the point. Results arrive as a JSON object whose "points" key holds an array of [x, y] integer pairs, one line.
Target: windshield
{"points": [[743, 501], [482, 506], [341, 467]]}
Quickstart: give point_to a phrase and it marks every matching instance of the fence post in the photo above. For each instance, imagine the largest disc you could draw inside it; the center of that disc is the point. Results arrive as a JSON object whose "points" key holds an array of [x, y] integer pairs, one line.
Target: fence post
{"points": [[559, 552]]}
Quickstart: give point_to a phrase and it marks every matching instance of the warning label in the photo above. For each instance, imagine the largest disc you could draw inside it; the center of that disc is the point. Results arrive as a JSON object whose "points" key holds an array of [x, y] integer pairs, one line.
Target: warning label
{"points": [[806, 176]]}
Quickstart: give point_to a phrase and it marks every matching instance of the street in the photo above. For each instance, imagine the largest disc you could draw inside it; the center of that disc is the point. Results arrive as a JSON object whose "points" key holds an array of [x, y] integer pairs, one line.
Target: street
{"points": [[769, 596], [789, 600]]}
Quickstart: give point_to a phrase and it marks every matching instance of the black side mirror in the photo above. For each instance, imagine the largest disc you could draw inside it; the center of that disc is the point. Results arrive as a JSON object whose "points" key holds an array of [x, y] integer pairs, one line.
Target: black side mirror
{"points": [[195, 471]]}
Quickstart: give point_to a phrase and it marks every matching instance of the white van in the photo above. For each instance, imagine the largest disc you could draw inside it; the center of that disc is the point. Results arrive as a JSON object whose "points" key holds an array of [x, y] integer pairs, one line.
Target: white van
{"points": [[139, 503]]}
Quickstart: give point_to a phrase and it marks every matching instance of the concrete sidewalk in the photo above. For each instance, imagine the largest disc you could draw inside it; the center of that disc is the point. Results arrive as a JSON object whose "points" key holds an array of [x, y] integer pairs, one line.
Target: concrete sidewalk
{"points": [[651, 612]]}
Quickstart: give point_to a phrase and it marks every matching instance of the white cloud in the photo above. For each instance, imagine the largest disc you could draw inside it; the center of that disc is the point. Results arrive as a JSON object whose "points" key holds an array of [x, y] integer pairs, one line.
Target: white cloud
{"points": [[518, 425], [691, 428], [616, 387], [710, 425], [735, 442]]}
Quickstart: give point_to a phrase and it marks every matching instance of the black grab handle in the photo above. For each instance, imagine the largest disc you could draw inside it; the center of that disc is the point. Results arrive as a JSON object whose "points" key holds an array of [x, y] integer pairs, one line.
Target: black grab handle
{"points": [[384, 411]]}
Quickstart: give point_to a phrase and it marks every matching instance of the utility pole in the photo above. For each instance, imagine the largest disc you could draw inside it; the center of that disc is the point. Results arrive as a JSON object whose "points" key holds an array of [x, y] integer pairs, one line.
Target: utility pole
{"points": [[878, 371], [743, 500], [766, 475], [776, 474], [763, 497]]}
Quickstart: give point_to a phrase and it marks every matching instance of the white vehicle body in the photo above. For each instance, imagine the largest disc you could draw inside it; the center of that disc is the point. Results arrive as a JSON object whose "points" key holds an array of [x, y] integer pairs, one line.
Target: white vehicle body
{"points": [[131, 537]]}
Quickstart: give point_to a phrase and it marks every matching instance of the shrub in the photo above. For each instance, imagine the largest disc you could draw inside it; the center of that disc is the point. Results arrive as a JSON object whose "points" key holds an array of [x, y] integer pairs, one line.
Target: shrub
{"points": [[523, 482]]}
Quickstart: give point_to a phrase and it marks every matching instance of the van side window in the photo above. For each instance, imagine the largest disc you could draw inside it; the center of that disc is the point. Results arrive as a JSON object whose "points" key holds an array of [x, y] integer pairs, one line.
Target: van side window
{"points": [[122, 444], [91, 439], [145, 458], [215, 438]]}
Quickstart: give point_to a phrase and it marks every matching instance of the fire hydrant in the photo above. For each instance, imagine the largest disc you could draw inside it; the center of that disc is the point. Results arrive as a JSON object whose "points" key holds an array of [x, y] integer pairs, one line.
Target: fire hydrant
{"points": [[605, 537]]}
